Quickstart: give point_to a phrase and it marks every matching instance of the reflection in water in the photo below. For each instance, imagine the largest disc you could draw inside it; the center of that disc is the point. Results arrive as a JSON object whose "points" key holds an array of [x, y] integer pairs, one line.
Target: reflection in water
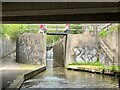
{"points": [[63, 78]]}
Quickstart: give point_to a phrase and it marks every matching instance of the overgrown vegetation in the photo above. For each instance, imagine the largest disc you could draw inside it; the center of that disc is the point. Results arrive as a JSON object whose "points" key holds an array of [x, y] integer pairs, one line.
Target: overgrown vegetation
{"points": [[113, 68], [12, 31], [56, 26], [97, 63], [77, 28], [103, 33], [51, 39], [74, 28]]}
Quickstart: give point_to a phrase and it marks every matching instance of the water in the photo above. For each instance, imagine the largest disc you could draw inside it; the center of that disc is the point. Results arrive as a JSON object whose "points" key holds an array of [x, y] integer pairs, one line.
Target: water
{"points": [[49, 54], [49, 59], [49, 63], [63, 78]]}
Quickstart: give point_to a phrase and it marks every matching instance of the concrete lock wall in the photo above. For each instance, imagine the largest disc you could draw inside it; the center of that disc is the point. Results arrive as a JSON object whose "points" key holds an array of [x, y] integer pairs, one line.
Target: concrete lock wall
{"points": [[111, 41], [7, 46], [31, 49], [85, 48], [81, 48], [59, 53]]}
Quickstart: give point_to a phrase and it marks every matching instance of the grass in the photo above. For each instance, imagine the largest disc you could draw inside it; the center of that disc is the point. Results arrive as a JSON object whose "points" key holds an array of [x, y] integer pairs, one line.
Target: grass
{"points": [[113, 68], [97, 63]]}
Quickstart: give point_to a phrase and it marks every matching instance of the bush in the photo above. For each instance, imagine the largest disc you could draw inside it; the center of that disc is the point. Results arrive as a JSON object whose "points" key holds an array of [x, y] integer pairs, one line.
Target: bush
{"points": [[77, 27], [12, 31], [103, 33], [51, 39]]}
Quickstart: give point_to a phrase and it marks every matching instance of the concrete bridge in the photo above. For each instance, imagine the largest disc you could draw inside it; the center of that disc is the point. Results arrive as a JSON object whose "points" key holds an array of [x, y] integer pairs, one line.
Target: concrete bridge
{"points": [[59, 12]]}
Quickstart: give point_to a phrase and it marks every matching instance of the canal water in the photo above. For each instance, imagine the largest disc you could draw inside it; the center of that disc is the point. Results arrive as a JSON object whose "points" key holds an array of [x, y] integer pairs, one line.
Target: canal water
{"points": [[49, 59], [63, 78]]}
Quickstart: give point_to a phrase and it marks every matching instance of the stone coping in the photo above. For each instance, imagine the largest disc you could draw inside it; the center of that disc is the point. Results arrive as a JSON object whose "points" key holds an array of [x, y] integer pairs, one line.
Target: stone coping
{"points": [[20, 79], [94, 69]]}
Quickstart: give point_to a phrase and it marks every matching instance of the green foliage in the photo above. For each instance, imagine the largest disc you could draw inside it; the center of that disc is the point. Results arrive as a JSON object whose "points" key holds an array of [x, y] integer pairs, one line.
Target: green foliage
{"points": [[113, 27], [76, 31], [97, 63], [1, 33], [103, 33], [12, 31], [77, 27], [54, 25], [51, 39], [114, 68]]}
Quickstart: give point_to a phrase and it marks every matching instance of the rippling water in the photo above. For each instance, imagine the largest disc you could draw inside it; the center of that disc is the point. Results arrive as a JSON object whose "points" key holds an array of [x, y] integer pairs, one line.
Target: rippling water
{"points": [[63, 78]]}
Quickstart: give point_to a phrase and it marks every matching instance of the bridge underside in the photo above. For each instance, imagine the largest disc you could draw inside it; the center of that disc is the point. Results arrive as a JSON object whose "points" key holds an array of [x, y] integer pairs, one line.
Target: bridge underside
{"points": [[59, 12]]}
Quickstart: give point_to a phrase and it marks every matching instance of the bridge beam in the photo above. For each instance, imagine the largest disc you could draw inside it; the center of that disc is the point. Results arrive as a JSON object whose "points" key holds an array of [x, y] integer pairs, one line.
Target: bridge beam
{"points": [[59, 12]]}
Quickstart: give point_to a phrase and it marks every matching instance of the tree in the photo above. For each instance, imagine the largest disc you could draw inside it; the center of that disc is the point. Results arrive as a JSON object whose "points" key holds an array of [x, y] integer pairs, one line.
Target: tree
{"points": [[12, 31]]}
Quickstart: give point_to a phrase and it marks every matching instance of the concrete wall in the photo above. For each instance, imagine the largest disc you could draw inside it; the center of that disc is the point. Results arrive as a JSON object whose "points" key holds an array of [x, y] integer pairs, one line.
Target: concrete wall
{"points": [[59, 53], [81, 47], [111, 41], [6, 46], [31, 49], [85, 48]]}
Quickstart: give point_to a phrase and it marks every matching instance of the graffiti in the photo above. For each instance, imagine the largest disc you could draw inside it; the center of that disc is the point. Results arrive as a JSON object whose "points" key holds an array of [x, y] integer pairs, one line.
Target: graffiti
{"points": [[85, 54]]}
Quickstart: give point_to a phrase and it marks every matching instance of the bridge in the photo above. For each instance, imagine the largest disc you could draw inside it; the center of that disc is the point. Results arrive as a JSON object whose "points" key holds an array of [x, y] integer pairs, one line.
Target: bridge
{"points": [[59, 12]]}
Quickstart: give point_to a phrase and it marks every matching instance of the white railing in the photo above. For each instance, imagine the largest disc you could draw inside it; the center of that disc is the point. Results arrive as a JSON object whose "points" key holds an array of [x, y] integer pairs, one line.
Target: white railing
{"points": [[52, 29], [107, 50], [104, 46], [105, 26]]}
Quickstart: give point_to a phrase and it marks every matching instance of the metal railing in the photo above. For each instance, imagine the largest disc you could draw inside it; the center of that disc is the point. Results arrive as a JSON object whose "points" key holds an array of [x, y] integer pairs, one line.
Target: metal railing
{"points": [[106, 26], [59, 30]]}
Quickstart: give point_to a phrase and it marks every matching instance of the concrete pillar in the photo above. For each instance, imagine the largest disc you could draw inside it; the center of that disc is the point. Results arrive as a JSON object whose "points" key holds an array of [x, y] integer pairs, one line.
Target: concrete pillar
{"points": [[31, 49]]}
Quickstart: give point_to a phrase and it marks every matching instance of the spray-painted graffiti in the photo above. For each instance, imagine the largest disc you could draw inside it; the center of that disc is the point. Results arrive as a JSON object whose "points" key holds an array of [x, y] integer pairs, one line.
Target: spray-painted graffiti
{"points": [[85, 54]]}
